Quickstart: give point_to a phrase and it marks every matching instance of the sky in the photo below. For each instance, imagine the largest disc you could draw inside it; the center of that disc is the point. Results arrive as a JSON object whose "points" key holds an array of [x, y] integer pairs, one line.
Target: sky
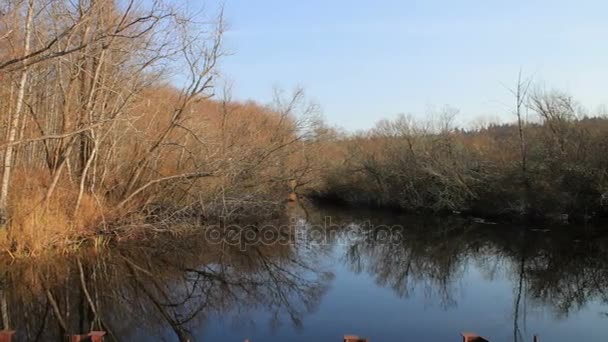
{"points": [[363, 61]]}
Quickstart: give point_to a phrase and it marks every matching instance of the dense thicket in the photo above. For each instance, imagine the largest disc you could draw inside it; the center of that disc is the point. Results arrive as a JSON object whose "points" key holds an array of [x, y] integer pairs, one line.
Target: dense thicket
{"points": [[113, 116], [553, 165]]}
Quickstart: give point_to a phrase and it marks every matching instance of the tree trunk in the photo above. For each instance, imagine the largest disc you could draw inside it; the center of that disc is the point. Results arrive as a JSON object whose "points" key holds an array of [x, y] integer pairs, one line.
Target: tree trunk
{"points": [[15, 118]]}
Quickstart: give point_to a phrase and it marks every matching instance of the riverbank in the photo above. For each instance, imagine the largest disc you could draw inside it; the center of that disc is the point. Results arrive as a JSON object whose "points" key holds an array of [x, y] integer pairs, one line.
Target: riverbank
{"points": [[47, 231], [554, 170], [485, 215]]}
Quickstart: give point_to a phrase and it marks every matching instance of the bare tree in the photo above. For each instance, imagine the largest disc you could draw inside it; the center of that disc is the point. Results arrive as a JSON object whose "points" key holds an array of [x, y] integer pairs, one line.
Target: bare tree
{"points": [[521, 99], [557, 110], [15, 117]]}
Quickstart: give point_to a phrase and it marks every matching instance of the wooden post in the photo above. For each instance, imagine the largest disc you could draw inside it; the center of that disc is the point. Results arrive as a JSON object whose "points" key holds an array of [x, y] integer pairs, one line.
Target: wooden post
{"points": [[354, 338], [472, 337], [93, 336], [536, 338], [77, 338], [6, 335], [97, 336]]}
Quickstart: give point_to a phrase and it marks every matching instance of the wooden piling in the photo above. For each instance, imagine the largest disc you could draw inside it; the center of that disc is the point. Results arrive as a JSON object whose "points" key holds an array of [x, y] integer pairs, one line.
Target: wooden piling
{"points": [[78, 337], [6, 335], [472, 337], [97, 336], [93, 336]]}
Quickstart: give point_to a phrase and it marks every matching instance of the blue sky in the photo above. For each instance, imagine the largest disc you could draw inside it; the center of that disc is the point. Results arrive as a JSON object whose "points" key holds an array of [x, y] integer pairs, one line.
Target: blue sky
{"points": [[366, 60]]}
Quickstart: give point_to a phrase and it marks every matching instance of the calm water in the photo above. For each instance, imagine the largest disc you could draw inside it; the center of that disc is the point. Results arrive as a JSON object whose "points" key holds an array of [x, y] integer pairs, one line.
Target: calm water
{"points": [[381, 276]]}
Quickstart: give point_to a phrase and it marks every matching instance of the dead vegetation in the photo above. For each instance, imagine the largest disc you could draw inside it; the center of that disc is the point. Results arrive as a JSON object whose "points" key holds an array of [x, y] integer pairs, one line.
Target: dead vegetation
{"points": [[113, 117], [549, 166]]}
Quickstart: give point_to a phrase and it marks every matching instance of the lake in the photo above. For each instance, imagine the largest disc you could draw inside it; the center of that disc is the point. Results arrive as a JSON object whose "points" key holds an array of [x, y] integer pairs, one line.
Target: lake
{"points": [[319, 274]]}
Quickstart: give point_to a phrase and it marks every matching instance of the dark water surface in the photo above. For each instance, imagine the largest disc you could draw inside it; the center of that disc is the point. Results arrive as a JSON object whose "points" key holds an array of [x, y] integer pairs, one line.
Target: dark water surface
{"points": [[377, 275]]}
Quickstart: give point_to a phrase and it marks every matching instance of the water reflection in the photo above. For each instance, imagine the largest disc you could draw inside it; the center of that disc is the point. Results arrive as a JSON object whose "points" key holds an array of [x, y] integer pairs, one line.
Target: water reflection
{"points": [[430, 260], [161, 290], [178, 289], [562, 269]]}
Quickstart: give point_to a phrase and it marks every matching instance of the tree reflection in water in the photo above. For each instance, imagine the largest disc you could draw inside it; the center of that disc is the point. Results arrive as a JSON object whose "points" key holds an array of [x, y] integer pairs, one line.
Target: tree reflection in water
{"points": [[414, 258], [562, 269], [175, 286]]}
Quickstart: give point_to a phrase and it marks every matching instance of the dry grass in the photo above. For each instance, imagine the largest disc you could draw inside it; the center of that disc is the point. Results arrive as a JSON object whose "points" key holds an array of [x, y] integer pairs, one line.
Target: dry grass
{"points": [[37, 226]]}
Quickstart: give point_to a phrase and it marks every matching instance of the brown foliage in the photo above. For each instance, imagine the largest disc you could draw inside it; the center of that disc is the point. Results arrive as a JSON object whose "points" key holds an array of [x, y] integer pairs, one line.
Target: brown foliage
{"points": [[406, 165], [95, 136]]}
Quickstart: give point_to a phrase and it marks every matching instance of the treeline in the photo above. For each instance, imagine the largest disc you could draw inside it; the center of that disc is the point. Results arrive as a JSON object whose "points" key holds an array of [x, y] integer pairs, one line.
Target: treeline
{"points": [[98, 138], [550, 164]]}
